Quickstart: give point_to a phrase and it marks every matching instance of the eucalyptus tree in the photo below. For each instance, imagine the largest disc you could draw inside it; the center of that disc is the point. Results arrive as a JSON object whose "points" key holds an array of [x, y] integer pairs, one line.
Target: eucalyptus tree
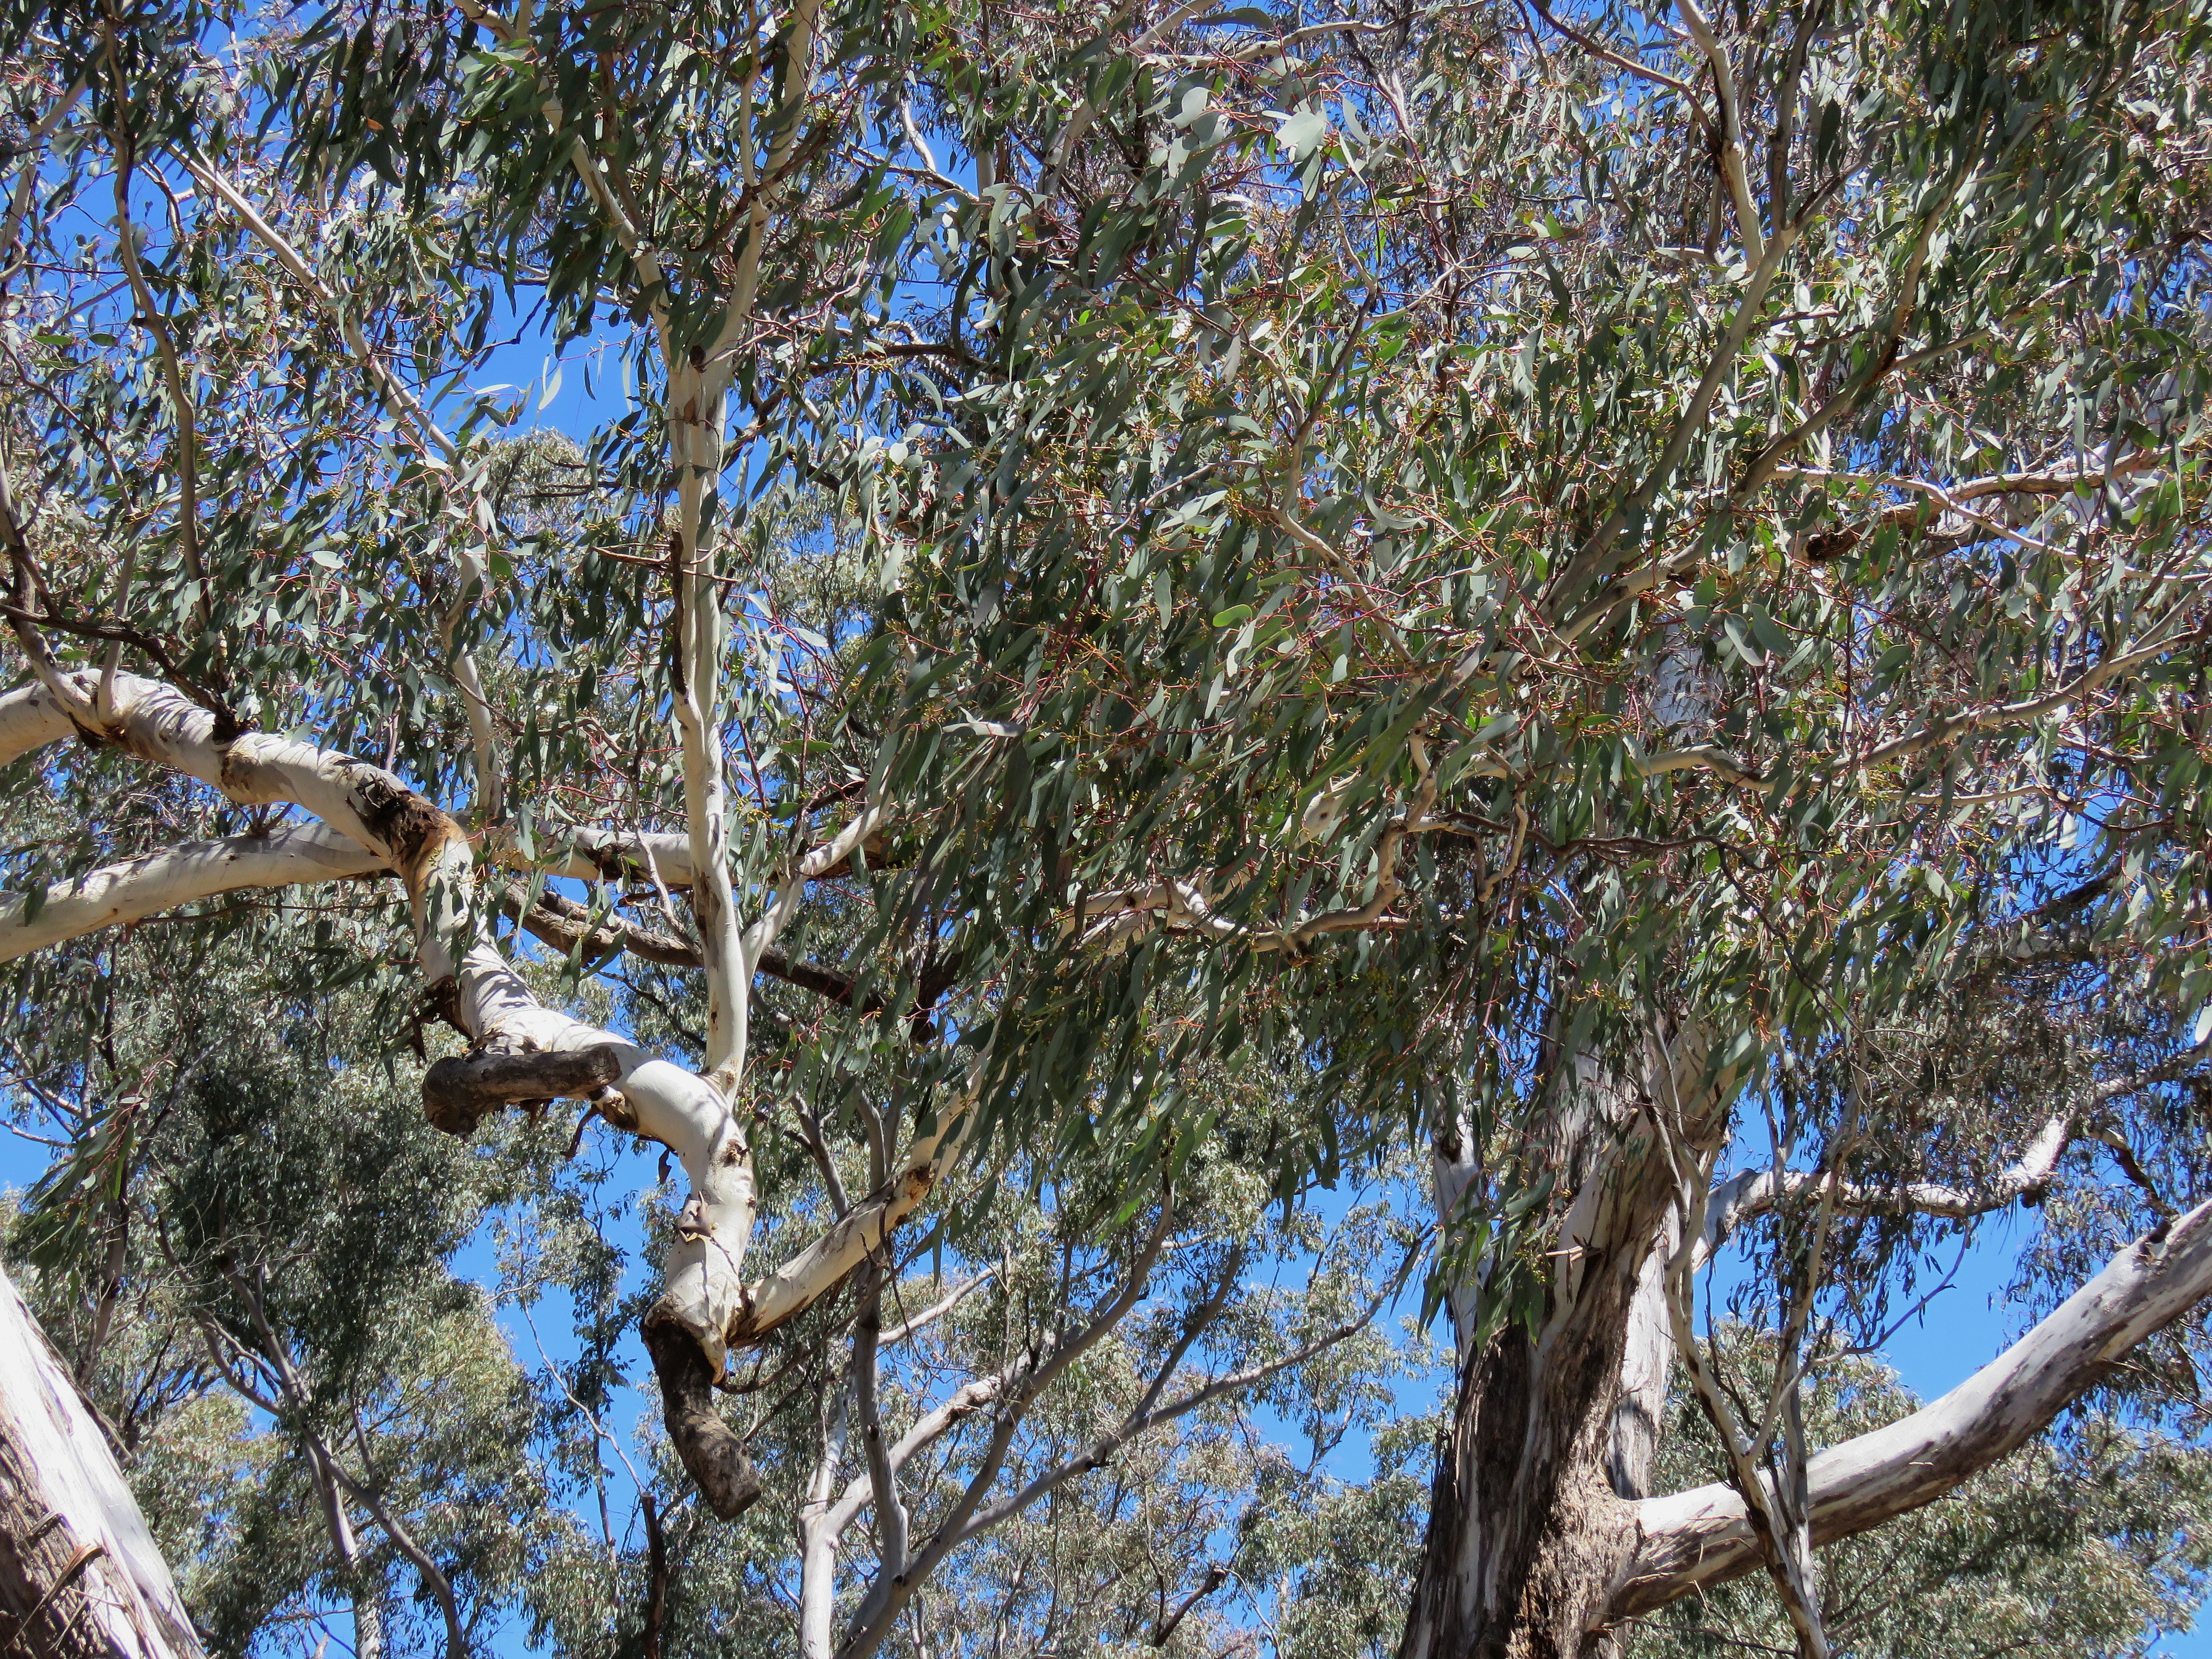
{"points": [[1634, 583], [263, 475], [1614, 594], [259, 496]]}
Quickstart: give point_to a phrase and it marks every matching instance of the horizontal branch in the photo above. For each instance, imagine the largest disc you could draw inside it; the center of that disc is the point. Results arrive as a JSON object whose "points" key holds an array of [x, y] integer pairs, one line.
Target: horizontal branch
{"points": [[1754, 1193], [154, 882], [1695, 1538], [1938, 732], [586, 854], [583, 853], [1746, 1196], [461, 1089], [565, 925]]}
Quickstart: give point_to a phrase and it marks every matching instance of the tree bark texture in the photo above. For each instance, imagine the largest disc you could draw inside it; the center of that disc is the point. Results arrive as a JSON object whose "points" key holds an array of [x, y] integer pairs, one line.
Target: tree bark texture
{"points": [[1526, 1529], [81, 1576]]}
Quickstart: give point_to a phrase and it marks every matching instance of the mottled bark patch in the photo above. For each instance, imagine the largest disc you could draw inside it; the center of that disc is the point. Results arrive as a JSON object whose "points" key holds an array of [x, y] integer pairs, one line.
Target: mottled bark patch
{"points": [[460, 1091], [403, 823], [711, 1451]]}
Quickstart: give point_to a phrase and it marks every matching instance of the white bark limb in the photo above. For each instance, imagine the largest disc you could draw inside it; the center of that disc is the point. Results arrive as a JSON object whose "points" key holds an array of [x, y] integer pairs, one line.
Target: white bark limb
{"points": [[589, 855], [399, 829], [698, 405], [31, 717], [705, 1296], [1731, 157], [788, 1292], [57, 1481], [432, 857], [697, 417], [819, 1533], [1702, 1537], [1753, 1193], [154, 882], [832, 854]]}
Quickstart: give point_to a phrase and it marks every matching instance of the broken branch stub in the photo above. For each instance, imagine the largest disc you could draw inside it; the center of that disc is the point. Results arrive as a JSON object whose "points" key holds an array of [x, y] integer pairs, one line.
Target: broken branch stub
{"points": [[459, 1091], [712, 1453]]}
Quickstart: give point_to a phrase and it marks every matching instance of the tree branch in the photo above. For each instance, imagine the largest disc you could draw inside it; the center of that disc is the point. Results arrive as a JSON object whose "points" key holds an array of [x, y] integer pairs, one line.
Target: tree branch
{"points": [[31, 717], [459, 1089], [890, 1593], [807, 1277], [154, 882], [1696, 1538]]}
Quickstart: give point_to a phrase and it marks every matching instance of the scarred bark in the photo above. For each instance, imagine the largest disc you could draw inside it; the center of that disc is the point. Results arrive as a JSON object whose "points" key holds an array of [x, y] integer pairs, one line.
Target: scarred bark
{"points": [[1525, 1526], [461, 1090]]}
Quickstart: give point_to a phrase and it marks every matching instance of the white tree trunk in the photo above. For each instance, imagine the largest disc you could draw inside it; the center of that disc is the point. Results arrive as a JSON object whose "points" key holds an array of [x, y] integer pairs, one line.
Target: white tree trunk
{"points": [[81, 1576]]}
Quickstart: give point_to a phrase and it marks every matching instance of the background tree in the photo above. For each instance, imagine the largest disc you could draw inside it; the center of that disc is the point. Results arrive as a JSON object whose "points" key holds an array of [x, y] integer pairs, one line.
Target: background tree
{"points": [[252, 1259]]}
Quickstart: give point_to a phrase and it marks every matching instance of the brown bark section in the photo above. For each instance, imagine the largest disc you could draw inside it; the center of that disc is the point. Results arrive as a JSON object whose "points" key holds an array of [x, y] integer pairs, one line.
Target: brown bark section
{"points": [[1524, 1529], [1527, 1529], [460, 1090], [711, 1451]]}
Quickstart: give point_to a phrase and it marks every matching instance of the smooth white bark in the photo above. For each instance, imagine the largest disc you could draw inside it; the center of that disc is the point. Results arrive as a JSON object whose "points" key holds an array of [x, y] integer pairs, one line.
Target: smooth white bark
{"points": [[154, 882], [592, 854], [1754, 1192], [56, 1474], [31, 717], [819, 1531], [768, 1302], [1703, 1536]]}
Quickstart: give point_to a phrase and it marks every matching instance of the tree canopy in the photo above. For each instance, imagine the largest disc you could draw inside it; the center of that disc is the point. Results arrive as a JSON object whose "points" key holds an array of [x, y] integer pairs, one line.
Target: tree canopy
{"points": [[1179, 669]]}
